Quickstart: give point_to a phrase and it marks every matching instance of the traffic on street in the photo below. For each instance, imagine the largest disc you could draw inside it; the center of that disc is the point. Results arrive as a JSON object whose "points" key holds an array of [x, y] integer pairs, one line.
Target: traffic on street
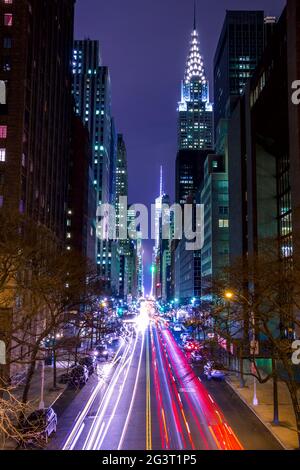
{"points": [[155, 391]]}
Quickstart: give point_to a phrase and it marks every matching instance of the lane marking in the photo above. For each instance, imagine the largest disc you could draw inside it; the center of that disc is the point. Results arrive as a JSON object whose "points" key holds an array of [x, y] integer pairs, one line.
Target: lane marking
{"points": [[77, 436], [100, 433]]}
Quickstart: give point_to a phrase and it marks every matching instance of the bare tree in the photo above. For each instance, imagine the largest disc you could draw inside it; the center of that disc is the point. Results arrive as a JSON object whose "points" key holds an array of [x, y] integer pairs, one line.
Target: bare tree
{"points": [[43, 289], [255, 308]]}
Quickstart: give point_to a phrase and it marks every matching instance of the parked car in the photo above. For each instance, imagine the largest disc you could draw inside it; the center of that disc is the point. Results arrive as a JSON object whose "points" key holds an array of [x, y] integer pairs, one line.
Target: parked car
{"points": [[177, 327], [79, 375], [90, 363], [64, 378], [214, 370], [196, 357], [39, 425], [185, 337]]}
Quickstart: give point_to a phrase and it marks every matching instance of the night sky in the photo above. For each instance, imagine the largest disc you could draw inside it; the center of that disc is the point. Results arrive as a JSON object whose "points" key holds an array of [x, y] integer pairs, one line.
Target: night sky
{"points": [[145, 44]]}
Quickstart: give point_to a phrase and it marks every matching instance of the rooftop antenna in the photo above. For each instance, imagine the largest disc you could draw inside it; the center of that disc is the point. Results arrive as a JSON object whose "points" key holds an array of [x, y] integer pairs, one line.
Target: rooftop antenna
{"points": [[161, 181], [195, 24]]}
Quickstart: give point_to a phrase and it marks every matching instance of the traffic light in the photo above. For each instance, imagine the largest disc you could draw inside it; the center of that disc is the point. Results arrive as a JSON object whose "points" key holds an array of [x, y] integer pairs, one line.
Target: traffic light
{"points": [[120, 311]]}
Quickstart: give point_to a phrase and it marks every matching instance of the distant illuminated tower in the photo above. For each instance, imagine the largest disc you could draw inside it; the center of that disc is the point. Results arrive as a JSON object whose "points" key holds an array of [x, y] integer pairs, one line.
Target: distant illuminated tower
{"points": [[120, 180], [195, 111], [92, 97], [140, 266], [158, 207]]}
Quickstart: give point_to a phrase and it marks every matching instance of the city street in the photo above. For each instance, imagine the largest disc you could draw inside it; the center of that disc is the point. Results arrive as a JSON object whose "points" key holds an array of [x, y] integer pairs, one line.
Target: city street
{"points": [[151, 399], [149, 229]]}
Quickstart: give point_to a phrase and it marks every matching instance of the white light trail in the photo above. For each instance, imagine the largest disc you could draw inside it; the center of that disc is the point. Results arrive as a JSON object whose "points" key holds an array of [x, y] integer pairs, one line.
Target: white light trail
{"points": [[96, 423], [82, 415], [133, 396], [77, 436], [99, 444]]}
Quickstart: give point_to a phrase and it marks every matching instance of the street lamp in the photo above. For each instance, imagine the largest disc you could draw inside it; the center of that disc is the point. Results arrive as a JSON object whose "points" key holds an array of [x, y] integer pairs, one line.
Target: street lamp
{"points": [[254, 344], [229, 295]]}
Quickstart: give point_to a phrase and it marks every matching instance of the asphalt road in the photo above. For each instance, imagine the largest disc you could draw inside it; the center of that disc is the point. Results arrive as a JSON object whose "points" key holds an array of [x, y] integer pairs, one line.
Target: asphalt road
{"points": [[150, 398]]}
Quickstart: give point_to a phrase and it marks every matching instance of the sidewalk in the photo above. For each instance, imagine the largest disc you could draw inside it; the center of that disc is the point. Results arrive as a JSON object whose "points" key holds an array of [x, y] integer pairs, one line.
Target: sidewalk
{"points": [[50, 395], [285, 432]]}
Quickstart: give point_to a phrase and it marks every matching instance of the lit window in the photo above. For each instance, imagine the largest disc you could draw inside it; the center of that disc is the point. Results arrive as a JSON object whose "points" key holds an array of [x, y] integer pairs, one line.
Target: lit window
{"points": [[8, 19], [2, 155], [3, 132], [223, 223], [8, 2], [2, 92]]}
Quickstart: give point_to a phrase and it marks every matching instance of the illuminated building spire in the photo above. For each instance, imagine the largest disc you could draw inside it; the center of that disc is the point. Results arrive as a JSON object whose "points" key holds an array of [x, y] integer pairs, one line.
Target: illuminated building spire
{"points": [[194, 65], [161, 182]]}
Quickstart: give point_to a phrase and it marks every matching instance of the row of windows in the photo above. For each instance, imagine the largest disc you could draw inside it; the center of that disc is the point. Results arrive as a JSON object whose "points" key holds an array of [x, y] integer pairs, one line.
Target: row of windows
{"points": [[7, 44]]}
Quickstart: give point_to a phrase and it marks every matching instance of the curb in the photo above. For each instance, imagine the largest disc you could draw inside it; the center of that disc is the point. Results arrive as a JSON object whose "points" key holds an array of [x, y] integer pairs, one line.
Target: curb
{"points": [[267, 425]]}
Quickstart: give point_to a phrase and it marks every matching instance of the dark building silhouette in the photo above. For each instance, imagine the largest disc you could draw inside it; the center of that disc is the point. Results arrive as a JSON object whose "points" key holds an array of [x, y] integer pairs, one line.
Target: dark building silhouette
{"points": [[92, 95], [35, 108], [36, 38], [189, 173], [81, 220], [263, 149], [258, 150], [239, 49]]}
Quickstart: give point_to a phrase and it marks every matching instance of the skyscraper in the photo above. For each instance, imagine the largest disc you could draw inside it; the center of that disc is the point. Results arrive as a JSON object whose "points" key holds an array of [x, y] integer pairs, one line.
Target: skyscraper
{"points": [[36, 109], [92, 94], [195, 123], [113, 162], [122, 249], [214, 197], [120, 182], [140, 265], [195, 130], [195, 142], [239, 49], [35, 132], [155, 255], [81, 220], [189, 173], [259, 155]]}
